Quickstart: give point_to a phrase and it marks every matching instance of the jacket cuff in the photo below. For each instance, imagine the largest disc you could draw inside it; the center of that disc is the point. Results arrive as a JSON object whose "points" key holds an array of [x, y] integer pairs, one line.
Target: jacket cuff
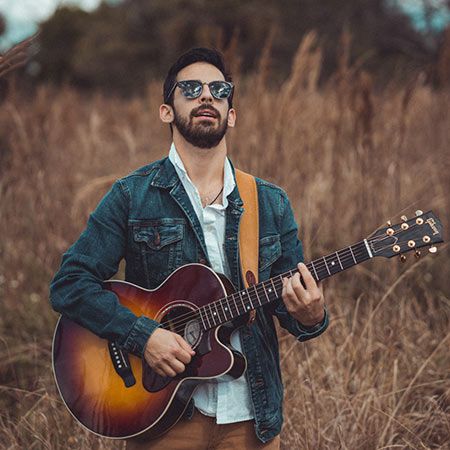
{"points": [[139, 335], [305, 333]]}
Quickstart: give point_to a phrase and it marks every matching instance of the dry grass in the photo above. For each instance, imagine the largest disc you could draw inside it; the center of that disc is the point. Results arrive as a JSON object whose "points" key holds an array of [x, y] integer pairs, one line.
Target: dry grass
{"points": [[349, 156]]}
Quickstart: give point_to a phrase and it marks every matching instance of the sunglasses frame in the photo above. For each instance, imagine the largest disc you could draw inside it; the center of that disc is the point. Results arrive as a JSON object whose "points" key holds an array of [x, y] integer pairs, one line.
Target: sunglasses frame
{"points": [[180, 85]]}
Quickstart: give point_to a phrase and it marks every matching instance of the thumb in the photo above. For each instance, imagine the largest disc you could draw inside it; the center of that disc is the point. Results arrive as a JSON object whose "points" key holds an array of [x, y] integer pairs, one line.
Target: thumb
{"points": [[184, 344]]}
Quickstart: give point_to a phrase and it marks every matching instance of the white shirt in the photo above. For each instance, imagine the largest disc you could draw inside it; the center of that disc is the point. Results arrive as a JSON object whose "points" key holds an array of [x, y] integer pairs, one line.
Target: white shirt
{"points": [[229, 401]]}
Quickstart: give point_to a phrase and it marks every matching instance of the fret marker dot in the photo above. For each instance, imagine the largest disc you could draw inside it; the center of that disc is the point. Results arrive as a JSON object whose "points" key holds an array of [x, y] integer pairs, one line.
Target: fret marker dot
{"points": [[215, 314], [226, 309], [270, 290], [332, 263], [248, 307]]}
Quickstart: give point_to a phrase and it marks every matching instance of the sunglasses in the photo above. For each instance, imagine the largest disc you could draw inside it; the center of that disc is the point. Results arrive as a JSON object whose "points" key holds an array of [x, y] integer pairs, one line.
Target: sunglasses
{"points": [[194, 88]]}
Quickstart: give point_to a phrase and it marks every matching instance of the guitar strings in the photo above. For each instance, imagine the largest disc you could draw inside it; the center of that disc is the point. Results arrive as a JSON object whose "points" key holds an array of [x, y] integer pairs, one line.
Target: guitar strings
{"points": [[210, 316], [253, 296], [183, 319]]}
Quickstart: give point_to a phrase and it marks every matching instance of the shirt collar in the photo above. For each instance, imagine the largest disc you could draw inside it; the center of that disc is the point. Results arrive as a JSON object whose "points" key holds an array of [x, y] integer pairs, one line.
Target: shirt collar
{"points": [[228, 178]]}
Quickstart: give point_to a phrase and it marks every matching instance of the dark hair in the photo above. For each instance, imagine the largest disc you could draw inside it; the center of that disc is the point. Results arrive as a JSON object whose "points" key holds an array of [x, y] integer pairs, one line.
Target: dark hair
{"points": [[200, 54]]}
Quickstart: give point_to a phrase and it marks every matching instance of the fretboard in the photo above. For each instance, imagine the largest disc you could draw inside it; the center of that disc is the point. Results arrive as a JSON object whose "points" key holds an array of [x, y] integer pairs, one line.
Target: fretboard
{"points": [[241, 302]]}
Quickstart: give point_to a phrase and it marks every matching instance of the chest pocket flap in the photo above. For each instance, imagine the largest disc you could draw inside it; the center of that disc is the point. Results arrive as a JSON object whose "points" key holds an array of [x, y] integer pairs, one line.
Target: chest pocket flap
{"points": [[159, 235]]}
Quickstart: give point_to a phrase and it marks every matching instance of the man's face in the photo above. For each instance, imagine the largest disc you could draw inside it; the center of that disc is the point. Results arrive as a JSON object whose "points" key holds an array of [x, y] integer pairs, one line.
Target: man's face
{"points": [[202, 121]]}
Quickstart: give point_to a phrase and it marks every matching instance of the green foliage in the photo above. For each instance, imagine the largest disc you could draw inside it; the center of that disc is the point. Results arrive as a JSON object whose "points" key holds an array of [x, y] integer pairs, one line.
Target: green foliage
{"points": [[123, 46]]}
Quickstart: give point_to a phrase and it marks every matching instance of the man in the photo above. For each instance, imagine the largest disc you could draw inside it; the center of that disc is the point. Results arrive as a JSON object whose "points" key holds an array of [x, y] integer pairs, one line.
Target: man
{"points": [[189, 207]]}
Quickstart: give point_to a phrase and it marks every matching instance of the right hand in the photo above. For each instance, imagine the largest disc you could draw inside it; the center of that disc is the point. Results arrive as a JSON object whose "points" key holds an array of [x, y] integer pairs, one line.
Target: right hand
{"points": [[167, 353]]}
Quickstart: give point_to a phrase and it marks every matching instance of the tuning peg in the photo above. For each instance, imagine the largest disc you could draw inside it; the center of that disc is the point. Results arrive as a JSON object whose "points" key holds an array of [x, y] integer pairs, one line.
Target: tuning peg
{"points": [[402, 258], [433, 249], [419, 212], [389, 223], [404, 218], [417, 254]]}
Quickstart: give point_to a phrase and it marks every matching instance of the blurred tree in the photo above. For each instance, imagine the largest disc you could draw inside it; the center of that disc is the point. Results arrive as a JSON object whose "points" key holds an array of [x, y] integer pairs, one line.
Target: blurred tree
{"points": [[123, 45], [59, 37], [2, 24]]}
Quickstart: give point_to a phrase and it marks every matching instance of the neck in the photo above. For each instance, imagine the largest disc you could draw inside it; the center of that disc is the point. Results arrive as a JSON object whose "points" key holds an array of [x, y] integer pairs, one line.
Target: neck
{"points": [[204, 165]]}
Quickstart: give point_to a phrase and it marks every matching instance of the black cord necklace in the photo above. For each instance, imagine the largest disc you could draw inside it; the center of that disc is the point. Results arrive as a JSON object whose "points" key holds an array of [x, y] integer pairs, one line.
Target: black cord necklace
{"points": [[217, 196]]}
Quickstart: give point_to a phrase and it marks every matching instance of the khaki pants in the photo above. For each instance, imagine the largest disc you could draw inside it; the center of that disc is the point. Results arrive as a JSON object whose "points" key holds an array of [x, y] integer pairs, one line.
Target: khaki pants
{"points": [[202, 433]]}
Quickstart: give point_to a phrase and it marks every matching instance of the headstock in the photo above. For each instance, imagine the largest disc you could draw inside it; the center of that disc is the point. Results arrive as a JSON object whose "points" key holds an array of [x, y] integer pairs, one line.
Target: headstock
{"points": [[424, 230]]}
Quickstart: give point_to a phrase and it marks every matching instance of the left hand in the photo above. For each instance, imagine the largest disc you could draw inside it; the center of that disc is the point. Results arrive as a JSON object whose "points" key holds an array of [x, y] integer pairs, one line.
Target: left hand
{"points": [[305, 305]]}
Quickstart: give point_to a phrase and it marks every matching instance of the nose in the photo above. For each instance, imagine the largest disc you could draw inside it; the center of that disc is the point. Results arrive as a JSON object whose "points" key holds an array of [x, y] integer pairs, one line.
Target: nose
{"points": [[206, 96]]}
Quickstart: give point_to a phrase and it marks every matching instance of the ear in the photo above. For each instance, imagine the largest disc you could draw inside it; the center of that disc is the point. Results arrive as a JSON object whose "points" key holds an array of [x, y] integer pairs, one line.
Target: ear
{"points": [[231, 117], [166, 113]]}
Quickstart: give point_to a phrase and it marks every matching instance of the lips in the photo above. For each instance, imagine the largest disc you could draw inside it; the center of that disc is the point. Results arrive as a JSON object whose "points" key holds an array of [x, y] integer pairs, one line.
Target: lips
{"points": [[206, 113]]}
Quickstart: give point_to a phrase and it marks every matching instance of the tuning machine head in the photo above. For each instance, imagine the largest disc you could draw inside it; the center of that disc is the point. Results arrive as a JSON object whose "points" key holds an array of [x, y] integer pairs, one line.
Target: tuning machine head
{"points": [[433, 249], [419, 212], [402, 258]]}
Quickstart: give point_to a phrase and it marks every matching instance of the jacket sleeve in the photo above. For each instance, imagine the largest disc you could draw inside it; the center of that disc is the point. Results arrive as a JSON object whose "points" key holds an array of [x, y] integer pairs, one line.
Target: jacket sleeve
{"points": [[76, 289], [291, 255]]}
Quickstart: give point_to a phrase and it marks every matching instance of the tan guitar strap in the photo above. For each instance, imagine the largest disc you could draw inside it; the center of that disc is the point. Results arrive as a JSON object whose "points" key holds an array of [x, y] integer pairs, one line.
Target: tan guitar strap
{"points": [[248, 231]]}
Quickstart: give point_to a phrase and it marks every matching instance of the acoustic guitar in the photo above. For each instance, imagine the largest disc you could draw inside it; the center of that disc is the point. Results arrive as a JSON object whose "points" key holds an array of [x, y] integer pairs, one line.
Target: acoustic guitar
{"points": [[117, 395]]}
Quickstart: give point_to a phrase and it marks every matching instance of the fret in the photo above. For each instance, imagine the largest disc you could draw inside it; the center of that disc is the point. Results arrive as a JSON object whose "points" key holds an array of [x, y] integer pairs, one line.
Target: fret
{"points": [[339, 260], [249, 298], [353, 256], [235, 304], [333, 264], [201, 317], [257, 296], [265, 292], [326, 265], [344, 258], [242, 301], [207, 318], [216, 312], [281, 287], [226, 308], [212, 315], [315, 271], [274, 288]]}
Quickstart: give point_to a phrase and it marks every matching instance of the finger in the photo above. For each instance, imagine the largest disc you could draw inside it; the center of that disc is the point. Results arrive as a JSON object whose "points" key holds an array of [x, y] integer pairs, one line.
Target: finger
{"points": [[297, 286], [177, 365], [283, 290], [308, 279], [166, 371], [290, 294], [183, 355], [184, 345], [320, 285]]}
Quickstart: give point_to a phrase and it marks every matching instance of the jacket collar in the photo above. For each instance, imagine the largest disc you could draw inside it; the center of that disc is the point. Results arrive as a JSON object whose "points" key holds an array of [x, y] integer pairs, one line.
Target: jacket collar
{"points": [[166, 177]]}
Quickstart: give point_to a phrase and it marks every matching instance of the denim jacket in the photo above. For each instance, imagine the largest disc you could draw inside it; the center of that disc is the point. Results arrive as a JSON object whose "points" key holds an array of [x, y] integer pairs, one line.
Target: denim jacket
{"points": [[147, 219]]}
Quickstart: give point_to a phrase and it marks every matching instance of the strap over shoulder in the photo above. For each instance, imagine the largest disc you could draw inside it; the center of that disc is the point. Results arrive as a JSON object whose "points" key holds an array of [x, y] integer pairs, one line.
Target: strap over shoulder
{"points": [[249, 230]]}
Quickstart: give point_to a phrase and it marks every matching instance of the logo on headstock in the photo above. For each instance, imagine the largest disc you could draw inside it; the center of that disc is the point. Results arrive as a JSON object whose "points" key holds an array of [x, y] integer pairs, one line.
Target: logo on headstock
{"points": [[430, 221]]}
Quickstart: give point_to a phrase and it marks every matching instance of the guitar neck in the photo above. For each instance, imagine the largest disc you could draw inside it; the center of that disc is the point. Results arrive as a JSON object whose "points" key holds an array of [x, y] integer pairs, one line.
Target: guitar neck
{"points": [[241, 302]]}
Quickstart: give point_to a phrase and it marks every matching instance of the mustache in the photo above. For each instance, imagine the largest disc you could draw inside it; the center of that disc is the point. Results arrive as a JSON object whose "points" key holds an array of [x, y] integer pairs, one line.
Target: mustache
{"points": [[202, 108]]}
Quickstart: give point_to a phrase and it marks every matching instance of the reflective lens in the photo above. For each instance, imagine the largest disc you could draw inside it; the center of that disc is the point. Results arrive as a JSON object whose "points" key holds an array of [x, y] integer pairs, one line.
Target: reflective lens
{"points": [[194, 88], [190, 88]]}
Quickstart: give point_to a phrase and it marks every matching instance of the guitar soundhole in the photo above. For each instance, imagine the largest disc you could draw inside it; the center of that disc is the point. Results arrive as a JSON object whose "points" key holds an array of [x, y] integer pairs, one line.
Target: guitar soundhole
{"points": [[184, 321]]}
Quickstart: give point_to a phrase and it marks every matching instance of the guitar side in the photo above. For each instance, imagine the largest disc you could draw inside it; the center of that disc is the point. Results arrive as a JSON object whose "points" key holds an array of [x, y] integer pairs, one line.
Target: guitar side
{"points": [[97, 396]]}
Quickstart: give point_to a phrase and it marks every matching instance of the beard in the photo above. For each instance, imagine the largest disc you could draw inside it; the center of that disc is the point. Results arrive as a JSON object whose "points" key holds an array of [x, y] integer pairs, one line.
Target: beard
{"points": [[204, 134]]}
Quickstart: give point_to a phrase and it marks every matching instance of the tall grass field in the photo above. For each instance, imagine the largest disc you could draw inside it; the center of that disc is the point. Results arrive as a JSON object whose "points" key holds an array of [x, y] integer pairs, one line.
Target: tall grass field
{"points": [[350, 154]]}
